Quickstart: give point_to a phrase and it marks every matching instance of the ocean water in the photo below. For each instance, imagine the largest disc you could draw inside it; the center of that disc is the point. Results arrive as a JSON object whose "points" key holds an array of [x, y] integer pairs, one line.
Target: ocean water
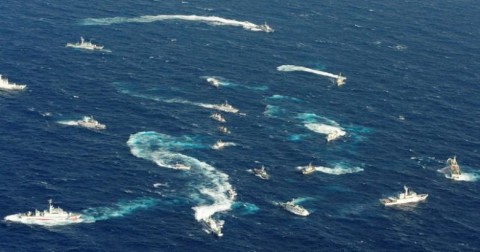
{"points": [[411, 100]]}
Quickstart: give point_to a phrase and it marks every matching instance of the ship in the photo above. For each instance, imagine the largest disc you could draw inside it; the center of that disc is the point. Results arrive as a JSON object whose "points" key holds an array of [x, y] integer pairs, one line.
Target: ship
{"points": [[404, 198], [455, 172], [334, 135], [51, 217], [265, 27], [213, 226], [308, 169], [218, 145], [261, 173], [218, 117], [86, 45], [227, 108], [91, 123], [295, 209], [6, 85], [180, 166], [232, 194], [213, 81], [340, 80], [224, 130]]}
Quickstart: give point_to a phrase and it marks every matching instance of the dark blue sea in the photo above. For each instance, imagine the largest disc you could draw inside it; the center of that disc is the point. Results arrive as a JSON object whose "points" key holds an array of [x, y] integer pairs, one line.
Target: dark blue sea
{"points": [[411, 101]]}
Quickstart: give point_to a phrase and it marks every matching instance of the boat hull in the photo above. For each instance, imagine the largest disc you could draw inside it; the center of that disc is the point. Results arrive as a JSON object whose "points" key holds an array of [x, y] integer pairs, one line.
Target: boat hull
{"points": [[44, 220], [388, 202]]}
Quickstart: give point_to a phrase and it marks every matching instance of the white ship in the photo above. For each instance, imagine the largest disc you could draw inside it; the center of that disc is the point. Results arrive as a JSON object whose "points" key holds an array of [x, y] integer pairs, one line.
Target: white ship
{"points": [[224, 130], [340, 80], [404, 198], [455, 172], [213, 81], [334, 135], [6, 85], [212, 226], [232, 194], [265, 27], [89, 122], [87, 45], [226, 107], [180, 166], [261, 173], [308, 169], [218, 117], [51, 217], [219, 145], [295, 209]]}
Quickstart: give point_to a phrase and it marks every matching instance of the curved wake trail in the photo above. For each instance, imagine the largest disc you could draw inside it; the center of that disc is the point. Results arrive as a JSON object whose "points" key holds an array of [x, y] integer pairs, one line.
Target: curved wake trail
{"points": [[119, 210], [212, 184], [211, 20], [325, 126], [293, 68]]}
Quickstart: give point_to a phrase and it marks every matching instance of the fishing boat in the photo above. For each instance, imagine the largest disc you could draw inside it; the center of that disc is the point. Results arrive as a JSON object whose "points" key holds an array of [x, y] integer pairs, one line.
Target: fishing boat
{"points": [[404, 198]]}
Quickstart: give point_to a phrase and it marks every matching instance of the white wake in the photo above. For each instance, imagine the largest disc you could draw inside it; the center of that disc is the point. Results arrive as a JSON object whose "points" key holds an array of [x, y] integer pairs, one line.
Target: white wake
{"points": [[211, 20], [293, 68], [211, 183], [338, 170]]}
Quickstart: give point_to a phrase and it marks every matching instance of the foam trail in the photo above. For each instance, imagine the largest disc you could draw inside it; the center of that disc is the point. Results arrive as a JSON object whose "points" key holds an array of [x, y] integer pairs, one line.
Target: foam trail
{"points": [[211, 20], [245, 208], [203, 105], [212, 184], [69, 123], [338, 170], [119, 210], [292, 68], [465, 176], [283, 97]]}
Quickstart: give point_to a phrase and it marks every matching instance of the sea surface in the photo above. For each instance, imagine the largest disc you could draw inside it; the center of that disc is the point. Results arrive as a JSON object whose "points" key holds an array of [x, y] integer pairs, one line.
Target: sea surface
{"points": [[411, 100]]}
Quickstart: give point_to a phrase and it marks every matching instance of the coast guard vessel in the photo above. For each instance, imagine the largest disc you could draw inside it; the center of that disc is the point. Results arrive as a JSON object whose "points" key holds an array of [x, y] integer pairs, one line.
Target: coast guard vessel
{"points": [[455, 172], [261, 172], [89, 122], [307, 169], [213, 81], [218, 117], [51, 217], [226, 107], [340, 80], [86, 45], [213, 226], [295, 209], [404, 198], [6, 85]]}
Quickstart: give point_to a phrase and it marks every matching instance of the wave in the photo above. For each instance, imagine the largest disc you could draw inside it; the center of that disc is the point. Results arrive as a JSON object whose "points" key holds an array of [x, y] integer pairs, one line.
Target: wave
{"points": [[292, 68], [211, 20], [212, 184], [119, 210]]}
